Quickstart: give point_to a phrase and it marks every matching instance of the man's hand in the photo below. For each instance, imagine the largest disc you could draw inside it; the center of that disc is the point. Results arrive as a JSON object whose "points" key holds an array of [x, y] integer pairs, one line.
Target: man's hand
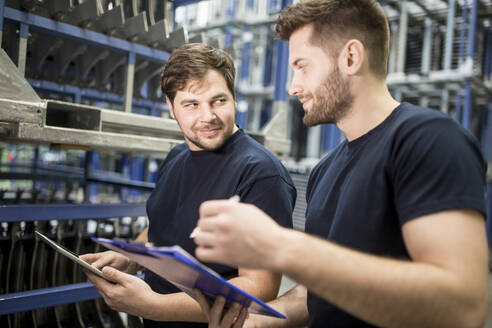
{"points": [[108, 258], [127, 294], [217, 316], [236, 234]]}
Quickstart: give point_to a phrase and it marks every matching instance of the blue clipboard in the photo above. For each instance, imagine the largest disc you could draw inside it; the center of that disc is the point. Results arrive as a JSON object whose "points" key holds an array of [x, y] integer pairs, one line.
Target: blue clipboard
{"points": [[186, 272]]}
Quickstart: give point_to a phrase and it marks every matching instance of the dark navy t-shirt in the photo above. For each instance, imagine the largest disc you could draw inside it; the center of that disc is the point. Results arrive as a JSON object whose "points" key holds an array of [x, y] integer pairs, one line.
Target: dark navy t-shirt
{"points": [[416, 162], [187, 178]]}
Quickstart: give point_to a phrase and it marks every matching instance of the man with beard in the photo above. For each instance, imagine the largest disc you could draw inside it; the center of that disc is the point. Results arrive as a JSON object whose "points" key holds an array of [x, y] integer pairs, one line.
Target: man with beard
{"points": [[218, 160], [395, 215]]}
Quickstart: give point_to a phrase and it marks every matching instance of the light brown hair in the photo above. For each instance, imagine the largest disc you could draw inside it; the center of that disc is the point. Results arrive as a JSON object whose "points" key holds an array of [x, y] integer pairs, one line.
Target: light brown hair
{"points": [[337, 21], [191, 62]]}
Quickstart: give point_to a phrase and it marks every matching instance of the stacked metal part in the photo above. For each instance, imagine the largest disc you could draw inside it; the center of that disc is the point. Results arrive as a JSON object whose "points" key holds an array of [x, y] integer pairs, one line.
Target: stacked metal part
{"points": [[54, 52]]}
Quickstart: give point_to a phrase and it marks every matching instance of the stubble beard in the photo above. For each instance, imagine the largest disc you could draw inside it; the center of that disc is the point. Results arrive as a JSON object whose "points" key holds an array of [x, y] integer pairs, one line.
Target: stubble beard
{"points": [[331, 100], [222, 138]]}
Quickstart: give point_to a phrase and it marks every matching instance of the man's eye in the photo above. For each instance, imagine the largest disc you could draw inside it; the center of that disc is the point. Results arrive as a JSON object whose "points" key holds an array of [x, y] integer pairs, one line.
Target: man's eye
{"points": [[220, 101], [191, 105]]}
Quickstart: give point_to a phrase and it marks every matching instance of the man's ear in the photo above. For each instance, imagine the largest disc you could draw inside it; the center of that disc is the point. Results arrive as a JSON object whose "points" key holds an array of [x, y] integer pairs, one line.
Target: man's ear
{"points": [[352, 57], [170, 105]]}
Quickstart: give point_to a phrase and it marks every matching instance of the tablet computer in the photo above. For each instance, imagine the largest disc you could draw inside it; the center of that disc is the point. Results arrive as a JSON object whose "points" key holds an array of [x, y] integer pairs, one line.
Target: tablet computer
{"points": [[72, 256]]}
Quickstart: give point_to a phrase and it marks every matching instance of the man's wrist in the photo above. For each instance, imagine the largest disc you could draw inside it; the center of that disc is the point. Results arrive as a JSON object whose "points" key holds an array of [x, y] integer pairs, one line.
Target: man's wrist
{"points": [[281, 254]]}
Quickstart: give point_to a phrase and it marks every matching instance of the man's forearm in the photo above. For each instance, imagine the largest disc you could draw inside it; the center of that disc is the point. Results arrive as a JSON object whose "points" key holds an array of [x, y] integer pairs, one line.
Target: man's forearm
{"points": [[292, 304], [181, 307], [397, 291]]}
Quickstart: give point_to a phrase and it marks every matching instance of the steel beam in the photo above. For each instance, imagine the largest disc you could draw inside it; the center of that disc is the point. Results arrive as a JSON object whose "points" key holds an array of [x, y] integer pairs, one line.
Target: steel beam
{"points": [[44, 212], [40, 298]]}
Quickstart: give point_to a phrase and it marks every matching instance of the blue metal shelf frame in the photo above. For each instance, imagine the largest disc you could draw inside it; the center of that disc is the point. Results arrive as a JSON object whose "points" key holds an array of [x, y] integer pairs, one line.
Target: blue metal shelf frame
{"points": [[45, 173], [40, 298], [17, 213], [92, 94]]}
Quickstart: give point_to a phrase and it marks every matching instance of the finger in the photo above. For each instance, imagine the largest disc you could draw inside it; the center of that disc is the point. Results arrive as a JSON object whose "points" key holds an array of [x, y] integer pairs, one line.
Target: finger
{"points": [[202, 300], [103, 261], [214, 207], [241, 319], [208, 254], [99, 283], [211, 223], [231, 315], [216, 311], [117, 276], [89, 257], [205, 238]]}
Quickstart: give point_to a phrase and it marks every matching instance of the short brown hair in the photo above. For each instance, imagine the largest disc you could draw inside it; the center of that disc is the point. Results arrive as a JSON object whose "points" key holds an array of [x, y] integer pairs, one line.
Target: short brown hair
{"points": [[191, 61], [336, 22]]}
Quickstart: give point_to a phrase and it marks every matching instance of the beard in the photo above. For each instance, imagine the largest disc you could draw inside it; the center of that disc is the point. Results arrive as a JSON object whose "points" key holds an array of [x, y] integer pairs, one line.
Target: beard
{"points": [[215, 142], [331, 100]]}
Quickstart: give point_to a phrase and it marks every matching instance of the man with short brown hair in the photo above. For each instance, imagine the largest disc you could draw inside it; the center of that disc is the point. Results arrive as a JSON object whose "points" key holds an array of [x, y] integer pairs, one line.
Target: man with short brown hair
{"points": [[395, 216], [218, 160]]}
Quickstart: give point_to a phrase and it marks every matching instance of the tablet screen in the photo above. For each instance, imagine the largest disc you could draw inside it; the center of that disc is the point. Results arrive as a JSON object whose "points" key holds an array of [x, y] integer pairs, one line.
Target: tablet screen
{"points": [[72, 256]]}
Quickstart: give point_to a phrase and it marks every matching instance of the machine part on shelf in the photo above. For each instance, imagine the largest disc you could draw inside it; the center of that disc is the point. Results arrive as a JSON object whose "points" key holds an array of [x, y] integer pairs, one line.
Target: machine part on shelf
{"points": [[88, 61], [156, 10], [144, 75], [105, 68], [275, 130], [12, 84], [58, 8], [42, 47], [110, 20], [157, 32], [197, 38], [84, 14], [64, 56], [133, 27], [176, 39]]}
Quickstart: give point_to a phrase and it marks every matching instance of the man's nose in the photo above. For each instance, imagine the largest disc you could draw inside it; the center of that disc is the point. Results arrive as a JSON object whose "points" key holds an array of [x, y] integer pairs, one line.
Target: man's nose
{"points": [[208, 113], [294, 87]]}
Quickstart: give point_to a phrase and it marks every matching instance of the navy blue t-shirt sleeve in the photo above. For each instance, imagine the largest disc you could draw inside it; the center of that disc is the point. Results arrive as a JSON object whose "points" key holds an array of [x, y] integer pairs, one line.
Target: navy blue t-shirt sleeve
{"points": [[437, 166], [273, 196]]}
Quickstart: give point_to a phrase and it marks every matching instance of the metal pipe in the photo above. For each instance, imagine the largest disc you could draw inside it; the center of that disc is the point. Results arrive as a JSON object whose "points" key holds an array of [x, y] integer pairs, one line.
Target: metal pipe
{"points": [[21, 58], [129, 79], [448, 49], [457, 108], [282, 66], [471, 54], [473, 29], [488, 56], [427, 48], [467, 105], [402, 38], [445, 100], [313, 142], [464, 13]]}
